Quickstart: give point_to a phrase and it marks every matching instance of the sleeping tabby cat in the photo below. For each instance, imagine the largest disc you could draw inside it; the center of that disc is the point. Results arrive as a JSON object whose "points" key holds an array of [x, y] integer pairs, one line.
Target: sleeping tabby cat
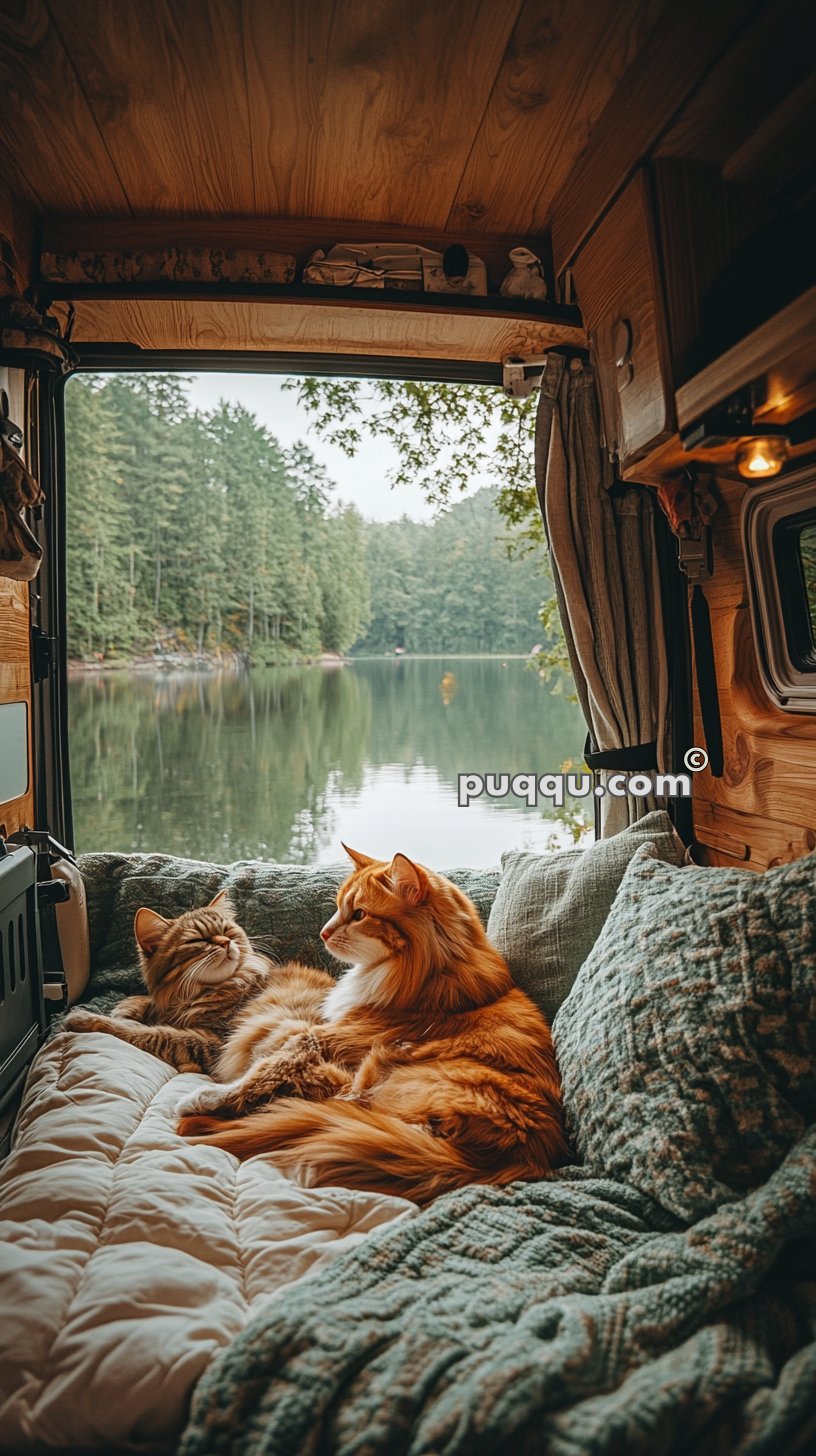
{"points": [[451, 1073], [214, 1004]]}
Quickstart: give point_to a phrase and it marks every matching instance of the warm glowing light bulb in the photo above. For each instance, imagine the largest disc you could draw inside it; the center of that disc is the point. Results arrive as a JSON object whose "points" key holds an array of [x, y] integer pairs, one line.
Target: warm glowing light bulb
{"points": [[762, 457]]}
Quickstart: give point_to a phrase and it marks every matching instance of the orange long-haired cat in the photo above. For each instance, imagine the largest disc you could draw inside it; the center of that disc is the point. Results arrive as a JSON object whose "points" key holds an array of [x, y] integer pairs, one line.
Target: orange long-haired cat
{"points": [[453, 1078]]}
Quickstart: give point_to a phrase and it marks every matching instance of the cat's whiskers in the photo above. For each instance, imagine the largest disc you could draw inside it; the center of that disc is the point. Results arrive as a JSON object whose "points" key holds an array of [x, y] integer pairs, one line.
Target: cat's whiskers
{"points": [[264, 945], [190, 979]]}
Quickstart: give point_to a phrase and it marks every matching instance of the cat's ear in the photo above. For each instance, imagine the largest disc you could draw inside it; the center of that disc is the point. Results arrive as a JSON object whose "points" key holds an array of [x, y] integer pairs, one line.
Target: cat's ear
{"points": [[360, 860], [149, 927], [223, 902], [408, 879]]}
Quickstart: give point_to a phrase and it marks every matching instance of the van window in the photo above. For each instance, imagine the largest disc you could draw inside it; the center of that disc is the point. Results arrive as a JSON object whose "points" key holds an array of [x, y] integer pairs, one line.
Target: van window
{"points": [[794, 554], [779, 538], [807, 561]]}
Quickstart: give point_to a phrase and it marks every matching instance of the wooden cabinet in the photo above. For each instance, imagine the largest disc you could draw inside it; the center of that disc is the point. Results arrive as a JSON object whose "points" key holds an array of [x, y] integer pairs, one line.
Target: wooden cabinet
{"points": [[618, 282]]}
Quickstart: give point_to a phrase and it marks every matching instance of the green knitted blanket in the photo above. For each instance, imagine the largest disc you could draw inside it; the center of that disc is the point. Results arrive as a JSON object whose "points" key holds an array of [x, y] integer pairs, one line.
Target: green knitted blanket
{"points": [[568, 1317]]}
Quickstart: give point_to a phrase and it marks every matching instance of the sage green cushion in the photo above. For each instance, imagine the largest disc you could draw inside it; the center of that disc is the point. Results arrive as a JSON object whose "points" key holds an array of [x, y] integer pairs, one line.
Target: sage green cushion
{"points": [[687, 1046], [550, 909], [281, 907]]}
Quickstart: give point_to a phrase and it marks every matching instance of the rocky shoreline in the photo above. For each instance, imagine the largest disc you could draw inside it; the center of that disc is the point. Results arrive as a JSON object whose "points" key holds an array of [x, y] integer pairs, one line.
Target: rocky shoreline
{"points": [[203, 662]]}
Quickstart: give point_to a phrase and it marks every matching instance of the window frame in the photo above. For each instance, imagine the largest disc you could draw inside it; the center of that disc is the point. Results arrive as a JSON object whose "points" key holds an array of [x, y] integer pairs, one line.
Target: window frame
{"points": [[773, 516], [49, 717]]}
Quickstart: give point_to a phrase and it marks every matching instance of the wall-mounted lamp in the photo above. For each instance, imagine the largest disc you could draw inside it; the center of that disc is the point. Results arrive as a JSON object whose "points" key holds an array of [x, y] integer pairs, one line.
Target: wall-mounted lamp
{"points": [[761, 457], [761, 449]]}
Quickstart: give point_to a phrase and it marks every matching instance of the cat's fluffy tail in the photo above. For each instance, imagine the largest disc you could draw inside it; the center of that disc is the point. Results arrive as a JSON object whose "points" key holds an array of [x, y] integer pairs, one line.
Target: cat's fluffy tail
{"points": [[348, 1146]]}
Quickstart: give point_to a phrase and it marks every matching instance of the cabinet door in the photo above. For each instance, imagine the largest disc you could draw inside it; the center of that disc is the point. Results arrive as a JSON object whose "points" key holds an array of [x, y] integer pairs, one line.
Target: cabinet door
{"points": [[617, 278]]}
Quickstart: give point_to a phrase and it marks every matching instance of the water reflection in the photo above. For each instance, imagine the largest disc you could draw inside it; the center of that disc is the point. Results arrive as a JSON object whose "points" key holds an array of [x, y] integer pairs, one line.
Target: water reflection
{"points": [[282, 763], [449, 688]]}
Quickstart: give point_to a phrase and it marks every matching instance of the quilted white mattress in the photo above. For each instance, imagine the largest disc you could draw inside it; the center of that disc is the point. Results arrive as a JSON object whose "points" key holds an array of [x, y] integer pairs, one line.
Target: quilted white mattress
{"points": [[128, 1257]]}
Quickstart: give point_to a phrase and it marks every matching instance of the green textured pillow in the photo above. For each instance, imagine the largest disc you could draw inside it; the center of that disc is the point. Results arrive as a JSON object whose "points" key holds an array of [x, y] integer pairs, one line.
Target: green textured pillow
{"points": [[550, 908], [687, 1046]]}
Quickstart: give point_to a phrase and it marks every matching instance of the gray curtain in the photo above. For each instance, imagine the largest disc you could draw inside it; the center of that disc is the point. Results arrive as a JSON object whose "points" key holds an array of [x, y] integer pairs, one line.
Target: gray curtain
{"points": [[604, 564]]}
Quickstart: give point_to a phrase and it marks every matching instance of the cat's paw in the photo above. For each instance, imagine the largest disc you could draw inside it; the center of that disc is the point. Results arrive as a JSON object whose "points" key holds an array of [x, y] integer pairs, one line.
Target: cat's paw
{"points": [[80, 1019], [210, 1098]]}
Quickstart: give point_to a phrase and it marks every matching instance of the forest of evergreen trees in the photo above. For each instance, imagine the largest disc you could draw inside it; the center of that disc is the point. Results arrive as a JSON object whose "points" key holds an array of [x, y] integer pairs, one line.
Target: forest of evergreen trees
{"points": [[200, 529]]}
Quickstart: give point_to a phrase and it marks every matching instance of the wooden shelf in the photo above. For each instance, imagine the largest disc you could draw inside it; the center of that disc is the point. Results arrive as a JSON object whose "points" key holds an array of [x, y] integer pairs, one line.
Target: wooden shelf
{"points": [[298, 318], [787, 337], [403, 300]]}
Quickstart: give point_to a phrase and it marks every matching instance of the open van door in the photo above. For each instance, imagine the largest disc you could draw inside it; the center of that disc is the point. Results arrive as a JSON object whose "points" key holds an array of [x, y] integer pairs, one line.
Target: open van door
{"points": [[16, 678], [34, 789]]}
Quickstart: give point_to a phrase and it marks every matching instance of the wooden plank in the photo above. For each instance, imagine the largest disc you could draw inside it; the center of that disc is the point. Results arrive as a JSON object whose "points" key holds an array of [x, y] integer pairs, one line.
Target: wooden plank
{"points": [[14, 640], [317, 328], [297, 235], [679, 53], [369, 109], [166, 85], [789, 332], [563, 62], [53, 151]]}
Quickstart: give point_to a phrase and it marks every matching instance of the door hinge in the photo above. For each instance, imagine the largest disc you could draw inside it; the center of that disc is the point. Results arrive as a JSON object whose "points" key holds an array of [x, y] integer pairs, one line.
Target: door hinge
{"points": [[43, 654]]}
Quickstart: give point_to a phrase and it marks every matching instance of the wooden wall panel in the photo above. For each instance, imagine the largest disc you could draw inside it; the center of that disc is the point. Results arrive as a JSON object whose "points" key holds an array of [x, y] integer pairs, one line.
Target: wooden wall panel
{"points": [[763, 810], [15, 638]]}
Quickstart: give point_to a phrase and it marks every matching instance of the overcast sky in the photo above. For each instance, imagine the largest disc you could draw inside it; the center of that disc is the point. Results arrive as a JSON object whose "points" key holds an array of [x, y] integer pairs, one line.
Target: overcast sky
{"points": [[363, 480]]}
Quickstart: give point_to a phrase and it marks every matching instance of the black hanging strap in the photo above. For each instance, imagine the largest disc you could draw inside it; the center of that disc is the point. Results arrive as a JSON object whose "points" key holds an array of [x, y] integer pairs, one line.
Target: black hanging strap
{"points": [[641, 757], [707, 680]]}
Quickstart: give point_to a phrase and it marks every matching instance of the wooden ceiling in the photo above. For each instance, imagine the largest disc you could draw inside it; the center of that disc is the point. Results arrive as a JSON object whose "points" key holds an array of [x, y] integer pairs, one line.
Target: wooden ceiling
{"points": [[293, 124], [457, 115]]}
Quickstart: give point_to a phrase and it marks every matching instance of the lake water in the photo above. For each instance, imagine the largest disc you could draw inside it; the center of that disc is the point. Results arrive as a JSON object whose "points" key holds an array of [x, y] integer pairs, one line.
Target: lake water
{"points": [[283, 763]]}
